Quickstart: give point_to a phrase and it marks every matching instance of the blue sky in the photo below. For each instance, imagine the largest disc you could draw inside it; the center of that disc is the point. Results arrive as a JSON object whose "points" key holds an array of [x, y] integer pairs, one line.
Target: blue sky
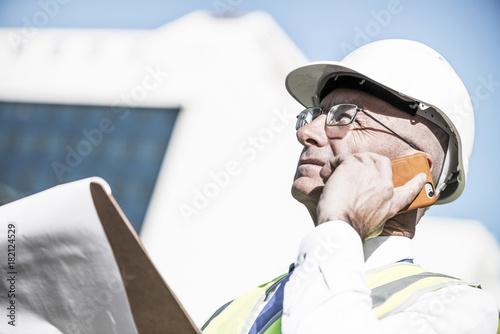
{"points": [[466, 33]]}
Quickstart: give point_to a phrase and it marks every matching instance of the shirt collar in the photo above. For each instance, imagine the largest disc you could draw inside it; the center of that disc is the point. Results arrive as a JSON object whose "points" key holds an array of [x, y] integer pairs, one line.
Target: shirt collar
{"points": [[384, 250]]}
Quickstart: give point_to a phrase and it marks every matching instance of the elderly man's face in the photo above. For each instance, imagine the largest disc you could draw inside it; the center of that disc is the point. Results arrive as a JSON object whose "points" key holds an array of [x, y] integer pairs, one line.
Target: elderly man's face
{"points": [[364, 135]]}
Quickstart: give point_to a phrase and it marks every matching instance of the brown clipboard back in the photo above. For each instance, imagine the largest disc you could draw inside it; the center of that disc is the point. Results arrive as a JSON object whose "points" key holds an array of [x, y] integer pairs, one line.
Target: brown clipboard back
{"points": [[154, 306]]}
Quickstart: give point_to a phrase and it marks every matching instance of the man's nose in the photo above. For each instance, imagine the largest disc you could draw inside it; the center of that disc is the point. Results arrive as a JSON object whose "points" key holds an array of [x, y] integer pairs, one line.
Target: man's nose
{"points": [[313, 134]]}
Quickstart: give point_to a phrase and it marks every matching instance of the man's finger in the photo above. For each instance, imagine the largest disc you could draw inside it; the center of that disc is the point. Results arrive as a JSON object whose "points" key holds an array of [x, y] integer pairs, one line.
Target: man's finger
{"points": [[326, 171], [330, 166], [368, 158], [404, 195], [384, 166]]}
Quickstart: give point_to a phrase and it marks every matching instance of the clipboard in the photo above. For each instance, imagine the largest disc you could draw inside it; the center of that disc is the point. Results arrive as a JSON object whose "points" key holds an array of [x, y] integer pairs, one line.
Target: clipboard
{"points": [[155, 308], [75, 264]]}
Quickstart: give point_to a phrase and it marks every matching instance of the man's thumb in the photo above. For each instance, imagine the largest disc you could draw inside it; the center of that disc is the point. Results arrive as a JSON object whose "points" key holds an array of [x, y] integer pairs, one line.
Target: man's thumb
{"points": [[405, 194]]}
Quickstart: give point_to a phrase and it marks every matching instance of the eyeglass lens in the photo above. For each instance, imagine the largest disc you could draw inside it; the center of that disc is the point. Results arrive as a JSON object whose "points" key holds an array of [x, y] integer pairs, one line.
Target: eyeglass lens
{"points": [[341, 114], [307, 116]]}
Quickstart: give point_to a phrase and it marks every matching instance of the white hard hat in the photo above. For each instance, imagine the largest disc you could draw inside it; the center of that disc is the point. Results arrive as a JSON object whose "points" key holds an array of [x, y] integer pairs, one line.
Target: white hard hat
{"points": [[412, 77]]}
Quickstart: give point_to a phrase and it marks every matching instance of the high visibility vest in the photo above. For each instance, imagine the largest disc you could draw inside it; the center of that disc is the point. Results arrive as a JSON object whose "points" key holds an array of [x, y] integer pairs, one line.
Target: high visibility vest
{"points": [[393, 288]]}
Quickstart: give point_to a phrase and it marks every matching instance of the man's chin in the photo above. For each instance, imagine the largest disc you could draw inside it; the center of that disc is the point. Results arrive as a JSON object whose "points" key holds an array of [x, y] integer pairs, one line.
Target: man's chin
{"points": [[306, 193]]}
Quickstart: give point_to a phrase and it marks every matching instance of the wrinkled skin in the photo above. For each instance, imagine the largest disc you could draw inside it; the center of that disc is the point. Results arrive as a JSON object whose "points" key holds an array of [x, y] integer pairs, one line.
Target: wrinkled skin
{"points": [[345, 172]]}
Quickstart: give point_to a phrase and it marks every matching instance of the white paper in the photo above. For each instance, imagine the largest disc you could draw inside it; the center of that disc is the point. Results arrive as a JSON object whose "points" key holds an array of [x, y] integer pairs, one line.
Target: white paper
{"points": [[60, 275]]}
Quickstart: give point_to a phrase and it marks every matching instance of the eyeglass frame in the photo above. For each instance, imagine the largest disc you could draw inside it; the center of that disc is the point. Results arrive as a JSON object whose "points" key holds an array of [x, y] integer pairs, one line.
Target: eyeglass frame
{"points": [[353, 118]]}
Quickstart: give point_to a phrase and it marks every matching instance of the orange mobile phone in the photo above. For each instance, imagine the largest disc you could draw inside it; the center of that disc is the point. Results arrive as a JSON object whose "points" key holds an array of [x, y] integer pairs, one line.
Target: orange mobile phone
{"points": [[404, 169]]}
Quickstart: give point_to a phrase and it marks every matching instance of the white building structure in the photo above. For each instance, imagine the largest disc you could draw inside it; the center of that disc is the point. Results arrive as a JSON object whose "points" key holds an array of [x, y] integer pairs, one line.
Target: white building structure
{"points": [[221, 220]]}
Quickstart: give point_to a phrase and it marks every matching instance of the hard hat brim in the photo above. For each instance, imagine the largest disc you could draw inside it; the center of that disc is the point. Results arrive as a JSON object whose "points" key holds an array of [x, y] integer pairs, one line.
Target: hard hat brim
{"points": [[305, 83]]}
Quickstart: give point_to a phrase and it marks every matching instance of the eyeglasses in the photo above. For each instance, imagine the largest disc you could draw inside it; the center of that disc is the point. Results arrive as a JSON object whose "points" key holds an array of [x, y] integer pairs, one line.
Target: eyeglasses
{"points": [[339, 115]]}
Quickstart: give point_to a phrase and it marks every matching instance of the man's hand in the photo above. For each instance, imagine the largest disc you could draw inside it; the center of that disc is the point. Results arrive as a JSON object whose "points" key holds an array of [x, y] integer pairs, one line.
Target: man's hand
{"points": [[359, 190]]}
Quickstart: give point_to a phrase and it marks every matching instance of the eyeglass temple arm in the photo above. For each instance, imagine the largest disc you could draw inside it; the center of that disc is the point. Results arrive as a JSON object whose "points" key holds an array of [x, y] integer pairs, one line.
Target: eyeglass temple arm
{"points": [[394, 133]]}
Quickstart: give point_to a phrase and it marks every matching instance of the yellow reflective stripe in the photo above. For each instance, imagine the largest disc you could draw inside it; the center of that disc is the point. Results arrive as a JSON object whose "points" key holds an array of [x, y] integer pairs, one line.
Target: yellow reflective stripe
{"points": [[234, 317], [391, 274], [420, 286], [239, 310], [219, 311]]}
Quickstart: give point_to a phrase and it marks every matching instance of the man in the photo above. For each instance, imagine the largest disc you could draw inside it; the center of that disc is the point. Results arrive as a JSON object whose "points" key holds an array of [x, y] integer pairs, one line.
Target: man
{"points": [[355, 272]]}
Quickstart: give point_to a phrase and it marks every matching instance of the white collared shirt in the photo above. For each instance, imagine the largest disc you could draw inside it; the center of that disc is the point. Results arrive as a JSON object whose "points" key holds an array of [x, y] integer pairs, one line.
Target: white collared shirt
{"points": [[327, 292], [381, 251]]}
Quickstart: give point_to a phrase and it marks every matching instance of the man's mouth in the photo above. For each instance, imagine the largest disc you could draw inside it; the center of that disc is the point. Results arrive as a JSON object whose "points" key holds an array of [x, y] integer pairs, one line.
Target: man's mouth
{"points": [[311, 162]]}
